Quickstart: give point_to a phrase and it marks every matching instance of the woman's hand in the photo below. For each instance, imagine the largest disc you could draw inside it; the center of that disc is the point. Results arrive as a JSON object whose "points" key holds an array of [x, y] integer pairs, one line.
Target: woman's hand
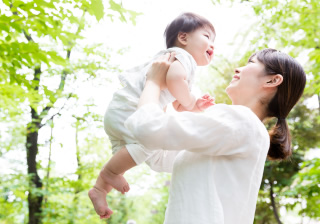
{"points": [[158, 71], [156, 80]]}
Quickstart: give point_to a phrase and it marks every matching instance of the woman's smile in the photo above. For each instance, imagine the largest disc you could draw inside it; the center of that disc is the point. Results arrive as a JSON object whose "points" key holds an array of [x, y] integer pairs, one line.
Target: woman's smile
{"points": [[235, 78]]}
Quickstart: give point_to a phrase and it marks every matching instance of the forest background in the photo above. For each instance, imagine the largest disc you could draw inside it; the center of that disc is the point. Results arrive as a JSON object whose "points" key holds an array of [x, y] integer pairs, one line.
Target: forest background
{"points": [[59, 64]]}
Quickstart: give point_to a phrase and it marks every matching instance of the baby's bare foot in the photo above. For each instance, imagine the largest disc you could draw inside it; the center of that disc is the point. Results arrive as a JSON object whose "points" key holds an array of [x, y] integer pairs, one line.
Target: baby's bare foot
{"points": [[117, 181], [98, 199]]}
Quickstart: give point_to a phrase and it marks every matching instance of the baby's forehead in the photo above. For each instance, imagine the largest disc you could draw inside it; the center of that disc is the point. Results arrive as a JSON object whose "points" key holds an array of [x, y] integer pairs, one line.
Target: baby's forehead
{"points": [[207, 29]]}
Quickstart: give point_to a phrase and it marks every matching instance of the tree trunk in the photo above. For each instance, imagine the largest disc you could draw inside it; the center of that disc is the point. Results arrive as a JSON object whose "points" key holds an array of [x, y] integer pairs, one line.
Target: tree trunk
{"points": [[35, 185], [319, 101], [49, 163], [34, 197], [78, 152], [78, 187], [273, 204]]}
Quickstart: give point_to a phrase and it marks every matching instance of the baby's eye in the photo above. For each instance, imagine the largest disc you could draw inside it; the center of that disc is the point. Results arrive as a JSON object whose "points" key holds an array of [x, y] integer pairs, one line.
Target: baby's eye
{"points": [[207, 36]]}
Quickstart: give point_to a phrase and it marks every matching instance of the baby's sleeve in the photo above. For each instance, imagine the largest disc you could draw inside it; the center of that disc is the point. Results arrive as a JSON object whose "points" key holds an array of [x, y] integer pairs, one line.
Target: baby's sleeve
{"points": [[189, 65]]}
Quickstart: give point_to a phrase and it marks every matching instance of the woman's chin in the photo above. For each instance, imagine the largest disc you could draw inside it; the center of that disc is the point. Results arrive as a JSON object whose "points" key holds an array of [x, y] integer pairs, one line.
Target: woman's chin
{"points": [[230, 93], [228, 89]]}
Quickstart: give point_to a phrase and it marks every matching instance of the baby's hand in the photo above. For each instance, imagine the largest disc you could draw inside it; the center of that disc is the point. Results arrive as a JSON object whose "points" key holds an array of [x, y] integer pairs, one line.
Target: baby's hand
{"points": [[204, 102]]}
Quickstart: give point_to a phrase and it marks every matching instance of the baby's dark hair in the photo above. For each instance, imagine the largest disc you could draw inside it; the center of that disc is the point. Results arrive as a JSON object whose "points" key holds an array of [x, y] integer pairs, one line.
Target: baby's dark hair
{"points": [[186, 22]]}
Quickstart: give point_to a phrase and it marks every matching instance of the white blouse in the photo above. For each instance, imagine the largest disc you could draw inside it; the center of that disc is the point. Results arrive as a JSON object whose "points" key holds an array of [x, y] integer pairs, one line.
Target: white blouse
{"points": [[217, 173]]}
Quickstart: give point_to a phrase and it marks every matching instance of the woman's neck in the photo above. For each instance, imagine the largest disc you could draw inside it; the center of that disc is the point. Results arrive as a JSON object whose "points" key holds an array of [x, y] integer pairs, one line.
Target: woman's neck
{"points": [[259, 109]]}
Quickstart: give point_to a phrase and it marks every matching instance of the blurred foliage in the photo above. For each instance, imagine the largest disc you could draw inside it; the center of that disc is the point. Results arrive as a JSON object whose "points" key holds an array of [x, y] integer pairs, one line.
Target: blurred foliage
{"points": [[43, 65], [56, 30], [293, 26]]}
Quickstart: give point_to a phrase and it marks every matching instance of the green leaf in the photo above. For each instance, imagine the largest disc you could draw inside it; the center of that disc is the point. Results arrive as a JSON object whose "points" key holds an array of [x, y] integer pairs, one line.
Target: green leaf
{"points": [[4, 27], [17, 27], [8, 38], [98, 9], [27, 58], [50, 94], [57, 59], [41, 57], [118, 8], [7, 2]]}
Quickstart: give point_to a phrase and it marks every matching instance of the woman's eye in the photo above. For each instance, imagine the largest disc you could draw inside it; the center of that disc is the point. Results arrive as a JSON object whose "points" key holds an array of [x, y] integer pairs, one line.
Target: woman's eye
{"points": [[207, 36]]}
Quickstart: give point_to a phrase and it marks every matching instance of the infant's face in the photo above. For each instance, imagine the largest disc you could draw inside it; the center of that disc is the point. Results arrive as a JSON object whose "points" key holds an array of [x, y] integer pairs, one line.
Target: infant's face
{"points": [[200, 45]]}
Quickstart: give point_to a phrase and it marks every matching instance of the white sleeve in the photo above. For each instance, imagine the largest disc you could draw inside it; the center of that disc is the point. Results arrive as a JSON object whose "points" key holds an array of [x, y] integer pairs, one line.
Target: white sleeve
{"points": [[162, 160], [223, 131]]}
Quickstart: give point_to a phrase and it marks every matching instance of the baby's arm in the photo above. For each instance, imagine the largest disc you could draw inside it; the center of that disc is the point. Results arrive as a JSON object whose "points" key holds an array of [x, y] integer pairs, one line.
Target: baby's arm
{"points": [[201, 104], [178, 87]]}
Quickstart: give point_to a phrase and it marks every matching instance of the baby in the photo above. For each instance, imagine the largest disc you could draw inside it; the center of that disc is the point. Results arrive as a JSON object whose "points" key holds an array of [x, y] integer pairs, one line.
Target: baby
{"points": [[191, 38]]}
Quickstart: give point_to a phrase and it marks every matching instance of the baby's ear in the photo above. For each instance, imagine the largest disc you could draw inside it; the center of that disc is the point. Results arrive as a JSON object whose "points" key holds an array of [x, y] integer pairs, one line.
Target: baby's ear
{"points": [[182, 38]]}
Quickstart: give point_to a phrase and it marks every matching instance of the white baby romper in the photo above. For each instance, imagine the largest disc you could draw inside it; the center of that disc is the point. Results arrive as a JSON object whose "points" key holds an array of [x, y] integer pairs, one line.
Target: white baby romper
{"points": [[125, 102]]}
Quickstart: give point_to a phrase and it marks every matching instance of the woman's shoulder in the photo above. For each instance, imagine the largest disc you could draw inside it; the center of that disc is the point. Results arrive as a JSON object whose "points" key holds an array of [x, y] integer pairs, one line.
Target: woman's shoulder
{"points": [[235, 111], [239, 115], [245, 124]]}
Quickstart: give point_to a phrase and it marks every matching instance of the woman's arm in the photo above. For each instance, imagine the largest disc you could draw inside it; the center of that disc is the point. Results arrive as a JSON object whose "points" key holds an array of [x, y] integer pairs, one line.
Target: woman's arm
{"points": [[162, 160], [226, 130], [221, 132]]}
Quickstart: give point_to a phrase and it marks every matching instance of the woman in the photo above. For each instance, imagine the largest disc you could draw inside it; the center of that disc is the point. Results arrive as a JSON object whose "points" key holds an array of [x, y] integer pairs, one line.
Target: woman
{"points": [[217, 173]]}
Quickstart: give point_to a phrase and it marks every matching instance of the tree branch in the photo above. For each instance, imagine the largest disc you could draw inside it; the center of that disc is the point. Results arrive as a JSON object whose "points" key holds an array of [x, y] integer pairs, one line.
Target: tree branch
{"points": [[215, 68], [29, 38], [273, 204], [58, 113], [319, 102], [28, 17]]}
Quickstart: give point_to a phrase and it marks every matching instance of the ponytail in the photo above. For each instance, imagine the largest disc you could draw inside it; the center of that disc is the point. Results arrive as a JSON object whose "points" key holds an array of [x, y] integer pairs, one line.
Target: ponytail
{"points": [[280, 141], [287, 95]]}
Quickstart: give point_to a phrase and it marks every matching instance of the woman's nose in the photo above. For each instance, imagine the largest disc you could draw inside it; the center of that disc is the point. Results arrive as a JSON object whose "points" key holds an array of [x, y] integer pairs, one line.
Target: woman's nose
{"points": [[237, 70]]}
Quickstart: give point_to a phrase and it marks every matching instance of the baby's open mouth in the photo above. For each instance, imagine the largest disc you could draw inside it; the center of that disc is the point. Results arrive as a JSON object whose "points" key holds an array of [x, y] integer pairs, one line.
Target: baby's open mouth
{"points": [[210, 52]]}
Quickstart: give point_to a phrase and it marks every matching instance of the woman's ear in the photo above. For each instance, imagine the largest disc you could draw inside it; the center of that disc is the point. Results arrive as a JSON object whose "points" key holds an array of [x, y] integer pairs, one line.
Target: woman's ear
{"points": [[274, 80], [182, 38]]}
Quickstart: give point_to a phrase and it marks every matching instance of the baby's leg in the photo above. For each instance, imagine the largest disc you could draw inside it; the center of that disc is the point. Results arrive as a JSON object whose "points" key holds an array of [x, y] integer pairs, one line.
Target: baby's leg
{"points": [[108, 178], [119, 137], [98, 195], [111, 176], [123, 160], [112, 172]]}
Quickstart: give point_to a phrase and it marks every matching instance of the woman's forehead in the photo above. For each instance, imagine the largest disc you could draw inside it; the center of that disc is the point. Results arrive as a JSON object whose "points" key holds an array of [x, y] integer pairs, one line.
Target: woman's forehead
{"points": [[253, 58]]}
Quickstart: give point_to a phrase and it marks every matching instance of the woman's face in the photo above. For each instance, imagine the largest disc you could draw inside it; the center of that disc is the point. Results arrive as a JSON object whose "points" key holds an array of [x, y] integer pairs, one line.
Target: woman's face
{"points": [[247, 83]]}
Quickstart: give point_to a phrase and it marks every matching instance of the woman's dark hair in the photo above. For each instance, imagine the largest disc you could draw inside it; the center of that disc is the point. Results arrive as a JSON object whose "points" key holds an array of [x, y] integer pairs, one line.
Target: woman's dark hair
{"points": [[288, 94], [186, 23]]}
